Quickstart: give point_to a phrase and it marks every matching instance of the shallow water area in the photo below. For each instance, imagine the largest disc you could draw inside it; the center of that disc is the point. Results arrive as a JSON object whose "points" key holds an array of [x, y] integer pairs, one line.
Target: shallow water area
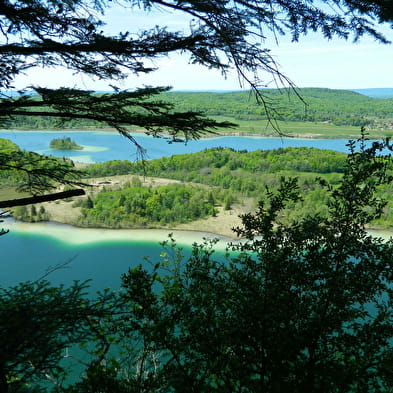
{"points": [[385, 234], [62, 253], [77, 236]]}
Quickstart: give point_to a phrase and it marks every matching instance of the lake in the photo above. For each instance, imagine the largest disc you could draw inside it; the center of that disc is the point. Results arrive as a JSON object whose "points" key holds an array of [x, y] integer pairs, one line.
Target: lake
{"points": [[104, 146], [102, 255]]}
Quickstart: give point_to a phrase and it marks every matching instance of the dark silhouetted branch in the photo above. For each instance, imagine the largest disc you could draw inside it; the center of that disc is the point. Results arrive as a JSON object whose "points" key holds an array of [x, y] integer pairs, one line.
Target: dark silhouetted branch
{"points": [[42, 198]]}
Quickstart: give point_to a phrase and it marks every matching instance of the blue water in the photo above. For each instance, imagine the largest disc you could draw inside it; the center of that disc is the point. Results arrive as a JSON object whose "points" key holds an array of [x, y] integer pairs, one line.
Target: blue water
{"points": [[105, 146]]}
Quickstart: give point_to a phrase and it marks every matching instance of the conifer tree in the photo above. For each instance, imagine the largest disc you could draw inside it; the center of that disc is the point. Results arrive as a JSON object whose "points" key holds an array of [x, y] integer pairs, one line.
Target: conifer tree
{"points": [[300, 306]]}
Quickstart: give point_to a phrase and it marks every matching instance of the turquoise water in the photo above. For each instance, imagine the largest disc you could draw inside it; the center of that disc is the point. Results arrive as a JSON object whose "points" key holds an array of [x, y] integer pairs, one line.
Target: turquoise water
{"points": [[28, 256], [104, 146]]}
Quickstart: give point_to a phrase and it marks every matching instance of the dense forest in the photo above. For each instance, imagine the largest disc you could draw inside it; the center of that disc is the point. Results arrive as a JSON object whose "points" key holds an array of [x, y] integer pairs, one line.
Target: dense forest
{"points": [[135, 206], [240, 174], [340, 107], [337, 107]]}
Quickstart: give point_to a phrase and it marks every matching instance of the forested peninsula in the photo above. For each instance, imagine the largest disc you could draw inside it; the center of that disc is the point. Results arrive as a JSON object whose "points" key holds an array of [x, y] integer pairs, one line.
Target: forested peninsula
{"points": [[312, 112]]}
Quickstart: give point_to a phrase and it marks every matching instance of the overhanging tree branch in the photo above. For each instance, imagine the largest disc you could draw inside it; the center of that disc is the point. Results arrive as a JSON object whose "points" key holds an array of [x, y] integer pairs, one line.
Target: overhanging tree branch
{"points": [[41, 198]]}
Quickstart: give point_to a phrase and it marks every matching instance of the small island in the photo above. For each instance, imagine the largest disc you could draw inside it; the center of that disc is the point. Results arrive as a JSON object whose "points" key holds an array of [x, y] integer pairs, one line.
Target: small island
{"points": [[64, 143]]}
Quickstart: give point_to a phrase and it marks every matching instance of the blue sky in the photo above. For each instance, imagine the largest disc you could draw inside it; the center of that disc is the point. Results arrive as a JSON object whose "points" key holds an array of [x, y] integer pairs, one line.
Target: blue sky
{"points": [[312, 62]]}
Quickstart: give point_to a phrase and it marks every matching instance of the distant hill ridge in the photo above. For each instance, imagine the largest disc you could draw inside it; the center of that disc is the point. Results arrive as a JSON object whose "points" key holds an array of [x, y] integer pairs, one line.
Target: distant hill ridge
{"points": [[379, 92], [340, 107], [319, 105]]}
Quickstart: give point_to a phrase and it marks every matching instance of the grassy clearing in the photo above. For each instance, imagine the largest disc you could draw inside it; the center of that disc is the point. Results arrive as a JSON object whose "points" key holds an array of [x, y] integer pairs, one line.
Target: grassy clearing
{"points": [[7, 193], [300, 129]]}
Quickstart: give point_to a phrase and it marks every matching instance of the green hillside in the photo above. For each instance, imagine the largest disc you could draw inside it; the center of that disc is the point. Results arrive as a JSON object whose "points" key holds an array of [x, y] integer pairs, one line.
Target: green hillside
{"points": [[314, 112], [341, 107]]}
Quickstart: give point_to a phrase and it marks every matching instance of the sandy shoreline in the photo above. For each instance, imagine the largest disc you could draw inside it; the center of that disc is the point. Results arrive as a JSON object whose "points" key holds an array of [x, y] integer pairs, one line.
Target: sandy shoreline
{"points": [[75, 236], [83, 236], [63, 217]]}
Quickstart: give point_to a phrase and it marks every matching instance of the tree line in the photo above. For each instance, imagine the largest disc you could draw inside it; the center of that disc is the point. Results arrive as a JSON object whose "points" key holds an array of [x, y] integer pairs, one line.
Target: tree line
{"points": [[134, 206], [340, 107]]}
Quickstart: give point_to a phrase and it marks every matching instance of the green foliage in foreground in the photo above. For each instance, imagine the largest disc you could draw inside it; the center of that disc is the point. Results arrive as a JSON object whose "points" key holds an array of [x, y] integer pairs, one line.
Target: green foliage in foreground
{"points": [[38, 322], [65, 143], [136, 206], [304, 306]]}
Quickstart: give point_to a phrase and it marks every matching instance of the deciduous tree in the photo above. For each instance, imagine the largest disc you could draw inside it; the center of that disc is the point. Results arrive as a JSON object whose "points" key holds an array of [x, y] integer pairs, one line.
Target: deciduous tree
{"points": [[38, 324], [305, 306]]}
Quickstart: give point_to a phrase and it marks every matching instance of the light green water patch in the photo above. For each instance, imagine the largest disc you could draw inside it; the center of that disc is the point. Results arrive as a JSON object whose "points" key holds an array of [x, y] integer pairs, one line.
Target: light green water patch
{"points": [[385, 234], [78, 236], [63, 253], [44, 151], [94, 149], [83, 159]]}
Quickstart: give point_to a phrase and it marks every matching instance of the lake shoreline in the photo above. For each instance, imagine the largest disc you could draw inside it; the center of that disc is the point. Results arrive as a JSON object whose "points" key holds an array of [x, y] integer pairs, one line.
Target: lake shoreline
{"points": [[71, 234], [75, 235], [205, 136]]}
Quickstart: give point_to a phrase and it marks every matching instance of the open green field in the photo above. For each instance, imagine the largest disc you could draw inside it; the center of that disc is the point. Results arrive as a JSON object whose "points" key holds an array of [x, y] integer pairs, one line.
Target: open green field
{"points": [[300, 129], [7, 193]]}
